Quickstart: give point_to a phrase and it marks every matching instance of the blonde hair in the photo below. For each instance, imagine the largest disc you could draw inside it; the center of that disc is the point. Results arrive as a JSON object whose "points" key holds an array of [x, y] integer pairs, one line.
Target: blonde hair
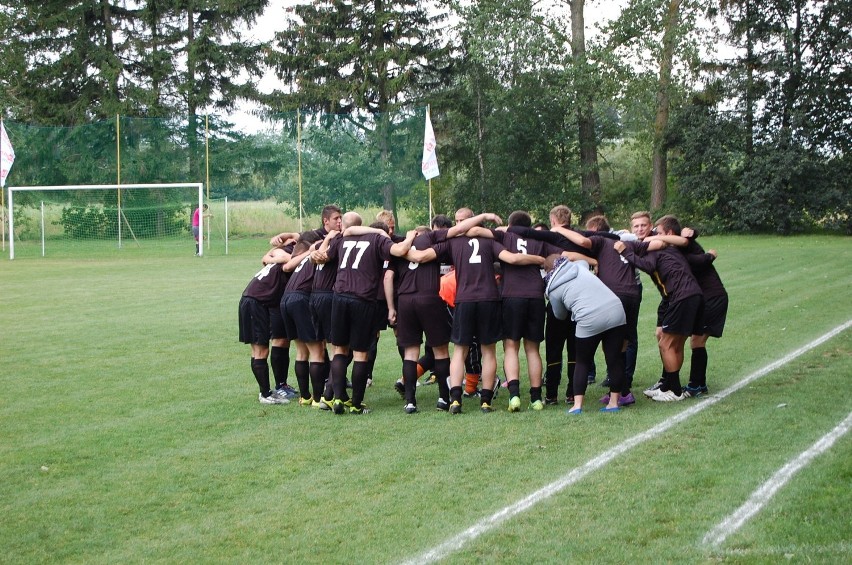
{"points": [[562, 215], [385, 216]]}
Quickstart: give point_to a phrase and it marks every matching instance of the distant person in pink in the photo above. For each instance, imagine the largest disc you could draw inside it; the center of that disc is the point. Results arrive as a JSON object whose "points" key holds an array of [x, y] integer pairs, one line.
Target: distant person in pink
{"points": [[196, 221]]}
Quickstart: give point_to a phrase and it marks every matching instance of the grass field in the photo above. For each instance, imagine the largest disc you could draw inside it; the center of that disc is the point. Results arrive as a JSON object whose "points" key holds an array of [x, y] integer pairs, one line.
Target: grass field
{"points": [[132, 433]]}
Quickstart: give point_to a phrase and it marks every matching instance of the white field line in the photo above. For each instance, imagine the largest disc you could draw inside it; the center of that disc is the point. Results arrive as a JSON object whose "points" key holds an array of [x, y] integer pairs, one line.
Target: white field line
{"points": [[573, 476], [768, 489]]}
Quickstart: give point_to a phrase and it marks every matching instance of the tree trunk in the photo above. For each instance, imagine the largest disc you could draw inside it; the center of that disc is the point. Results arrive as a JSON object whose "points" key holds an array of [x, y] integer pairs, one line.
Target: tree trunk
{"points": [[591, 180], [659, 173]]}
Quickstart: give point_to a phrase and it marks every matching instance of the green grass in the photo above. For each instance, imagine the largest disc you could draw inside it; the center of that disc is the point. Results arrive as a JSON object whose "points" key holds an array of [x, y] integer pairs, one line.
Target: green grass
{"points": [[132, 432]]}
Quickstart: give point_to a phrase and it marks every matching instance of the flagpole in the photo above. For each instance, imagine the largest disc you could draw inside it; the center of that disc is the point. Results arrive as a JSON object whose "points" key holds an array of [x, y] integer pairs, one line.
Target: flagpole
{"points": [[3, 196]]}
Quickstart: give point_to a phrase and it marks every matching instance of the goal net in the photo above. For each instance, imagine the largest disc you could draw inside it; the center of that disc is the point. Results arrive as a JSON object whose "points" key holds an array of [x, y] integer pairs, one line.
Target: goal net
{"points": [[91, 220]]}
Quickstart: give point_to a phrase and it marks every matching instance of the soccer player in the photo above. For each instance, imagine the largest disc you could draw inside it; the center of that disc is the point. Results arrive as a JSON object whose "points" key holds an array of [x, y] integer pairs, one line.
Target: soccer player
{"points": [[196, 222], [261, 296], [671, 272], [359, 272], [298, 322], [599, 317], [477, 309]]}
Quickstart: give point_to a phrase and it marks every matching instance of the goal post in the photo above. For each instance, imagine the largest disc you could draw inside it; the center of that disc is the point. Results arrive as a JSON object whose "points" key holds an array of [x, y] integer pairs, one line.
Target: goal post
{"points": [[113, 221]]}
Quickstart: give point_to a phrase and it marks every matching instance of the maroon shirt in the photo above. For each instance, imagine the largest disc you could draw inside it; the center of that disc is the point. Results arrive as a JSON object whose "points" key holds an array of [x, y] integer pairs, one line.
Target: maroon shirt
{"points": [[421, 278], [302, 277], [524, 281], [267, 285], [668, 268], [473, 259], [360, 262], [613, 269], [704, 271]]}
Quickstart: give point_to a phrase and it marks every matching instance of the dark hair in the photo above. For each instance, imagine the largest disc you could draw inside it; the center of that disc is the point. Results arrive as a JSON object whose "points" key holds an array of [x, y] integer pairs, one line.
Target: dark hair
{"points": [[380, 226], [310, 236], [441, 222], [329, 210], [520, 218], [540, 226], [597, 223], [669, 223]]}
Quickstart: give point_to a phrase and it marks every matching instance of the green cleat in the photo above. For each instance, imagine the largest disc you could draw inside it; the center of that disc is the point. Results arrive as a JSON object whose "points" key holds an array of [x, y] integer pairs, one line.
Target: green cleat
{"points": [[514, 404], [538, 405], [338, 407]]}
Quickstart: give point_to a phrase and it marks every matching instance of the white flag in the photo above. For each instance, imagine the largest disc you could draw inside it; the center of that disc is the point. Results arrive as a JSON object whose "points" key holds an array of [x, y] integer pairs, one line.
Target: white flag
{"points": [[7, 155], [430, 157]]}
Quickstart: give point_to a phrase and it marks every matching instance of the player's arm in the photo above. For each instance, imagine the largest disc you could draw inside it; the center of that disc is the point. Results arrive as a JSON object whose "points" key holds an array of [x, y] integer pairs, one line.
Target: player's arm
{"points": [[388, 285], [645, 263], [574, 237], [276, 255], [353, 231], [421, 255], [401, 248], [520, 258], [465, 225], [676, 240], [320, 256], [574, 257], [283, 238], [479, 231], [297, 260]]}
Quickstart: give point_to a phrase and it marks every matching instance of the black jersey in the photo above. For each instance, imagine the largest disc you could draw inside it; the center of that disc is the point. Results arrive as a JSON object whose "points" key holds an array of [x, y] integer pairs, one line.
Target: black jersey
{"points": [[613, 269], [523, 281], [473, 259], [302, 277], [267, 285], [668, 268], [421, 278], [704, 271], [360, 262]]}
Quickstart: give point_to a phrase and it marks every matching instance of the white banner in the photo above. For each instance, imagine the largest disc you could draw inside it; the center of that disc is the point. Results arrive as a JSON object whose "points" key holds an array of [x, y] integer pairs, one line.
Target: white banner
{"points": [[7, 155], [430, 156]]}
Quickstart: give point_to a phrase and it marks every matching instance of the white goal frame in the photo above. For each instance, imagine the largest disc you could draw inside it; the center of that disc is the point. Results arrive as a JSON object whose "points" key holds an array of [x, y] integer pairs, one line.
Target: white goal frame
{"points": [[13, 189]]}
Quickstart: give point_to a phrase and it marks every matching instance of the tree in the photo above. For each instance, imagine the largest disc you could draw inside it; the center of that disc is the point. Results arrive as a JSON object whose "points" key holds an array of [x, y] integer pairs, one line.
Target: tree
{"points": [[359, 56]]}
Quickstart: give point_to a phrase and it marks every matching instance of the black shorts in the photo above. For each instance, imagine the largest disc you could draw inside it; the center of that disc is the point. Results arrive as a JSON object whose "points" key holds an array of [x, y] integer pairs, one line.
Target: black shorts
{"points": [[296, 311], [353, 322], [276, 324], [321, 313], [523, 318], [483, 320], [254, 321], [631, 311], [380, 317], [684, 316], [661, 311], [417, 315], [715, 314]]}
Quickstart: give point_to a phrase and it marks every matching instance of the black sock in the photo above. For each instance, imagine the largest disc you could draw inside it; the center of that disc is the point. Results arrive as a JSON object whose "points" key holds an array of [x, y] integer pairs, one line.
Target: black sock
{"points": [[316, 371], [514, 388], [456, 394], [279, 358], [359, 382], [442, 373], [672, 382], [338, 376], [409, 379], [535, 393], [486, 396], [260, 370], [698, 367], [303, 378]]}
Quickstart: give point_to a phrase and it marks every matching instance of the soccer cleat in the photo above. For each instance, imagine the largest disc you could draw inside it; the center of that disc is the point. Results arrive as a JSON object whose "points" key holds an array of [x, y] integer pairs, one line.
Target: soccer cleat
{"points": [[287, 391], [474, 394], [399, 387], [486, 408], [359, 410], [650, 392], [306, 401], [272, 399], [667, 396], [538, 405], [370, 382], [591, 380], [430, 380], [694, 391], [410, 408], [514, 404], [319, 405], [338, 407], [323, 404], [442, 405], [626, 399], [455, 407], [551, 402]]}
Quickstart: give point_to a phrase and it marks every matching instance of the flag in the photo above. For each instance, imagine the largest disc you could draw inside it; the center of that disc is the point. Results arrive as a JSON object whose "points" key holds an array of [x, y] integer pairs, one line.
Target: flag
{"points": [[7, 155], [430, 157]]}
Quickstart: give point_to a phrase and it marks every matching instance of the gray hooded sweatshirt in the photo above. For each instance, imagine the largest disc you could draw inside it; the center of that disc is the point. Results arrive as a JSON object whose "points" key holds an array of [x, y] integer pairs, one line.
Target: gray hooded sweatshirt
{"points": [[595, 308]]}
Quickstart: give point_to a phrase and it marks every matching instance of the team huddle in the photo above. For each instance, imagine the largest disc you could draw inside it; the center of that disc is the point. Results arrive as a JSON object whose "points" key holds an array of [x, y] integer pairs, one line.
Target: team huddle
{"points": [[332, 291]]}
